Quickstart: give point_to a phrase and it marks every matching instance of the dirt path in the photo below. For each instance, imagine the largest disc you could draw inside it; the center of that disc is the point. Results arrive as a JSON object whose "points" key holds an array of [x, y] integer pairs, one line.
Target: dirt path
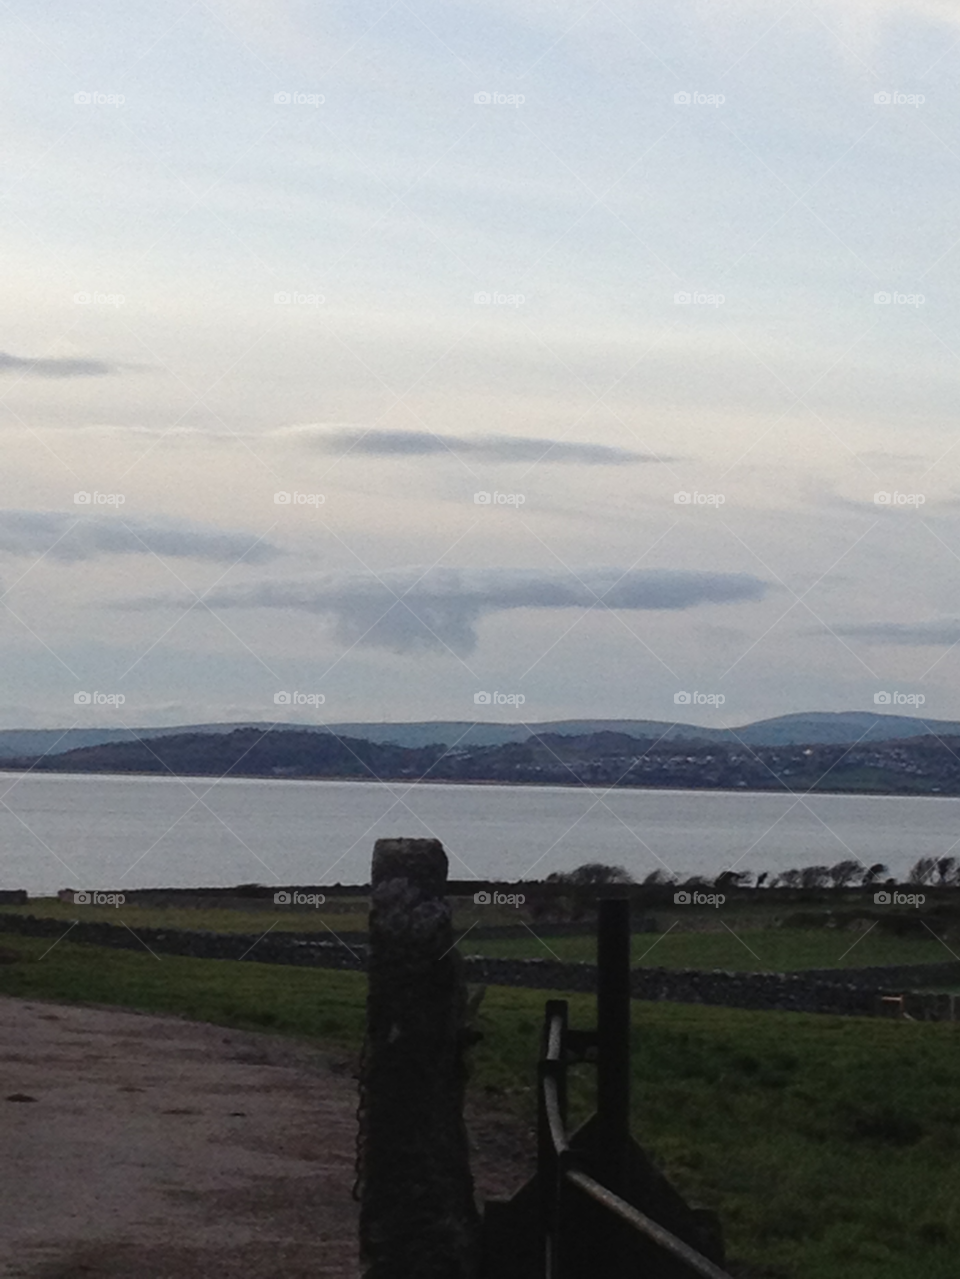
{"points": [[155, 1148]]}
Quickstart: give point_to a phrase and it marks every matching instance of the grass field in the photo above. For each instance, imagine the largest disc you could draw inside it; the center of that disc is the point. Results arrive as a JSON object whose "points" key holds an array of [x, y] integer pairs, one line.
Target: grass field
{"points": [[745, 943], [830, 1146], [344, 915], [744, 950]]}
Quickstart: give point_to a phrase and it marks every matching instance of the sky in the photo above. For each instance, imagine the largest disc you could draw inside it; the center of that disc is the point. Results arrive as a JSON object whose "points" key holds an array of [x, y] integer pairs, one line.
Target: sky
{"points": [[376, 357]]}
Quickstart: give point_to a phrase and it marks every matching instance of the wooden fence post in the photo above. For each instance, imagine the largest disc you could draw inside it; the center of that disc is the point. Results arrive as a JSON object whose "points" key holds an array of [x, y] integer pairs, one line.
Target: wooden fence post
{"points": [[418, 1219]]}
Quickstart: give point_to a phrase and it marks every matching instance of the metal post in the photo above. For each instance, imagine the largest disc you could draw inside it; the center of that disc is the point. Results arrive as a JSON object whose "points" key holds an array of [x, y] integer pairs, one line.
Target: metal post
{"points": [[613, 1040], [553, 1065]]}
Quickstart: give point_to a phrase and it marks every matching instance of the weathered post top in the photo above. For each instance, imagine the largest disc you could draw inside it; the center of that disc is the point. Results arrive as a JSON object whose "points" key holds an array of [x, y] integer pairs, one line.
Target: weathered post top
{"points": [[418, 1219], [421, 861]]}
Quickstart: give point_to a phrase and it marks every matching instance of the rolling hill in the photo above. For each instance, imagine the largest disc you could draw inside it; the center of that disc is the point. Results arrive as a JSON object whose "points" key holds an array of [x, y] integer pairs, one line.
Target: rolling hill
{"points": [[811, 727]]}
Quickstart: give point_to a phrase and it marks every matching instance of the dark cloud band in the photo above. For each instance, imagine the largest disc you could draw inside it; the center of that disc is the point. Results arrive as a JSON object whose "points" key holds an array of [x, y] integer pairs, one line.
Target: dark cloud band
{"points": [[489, 448], [937, 632], [53, 367], [68, 538], [408, 610]]}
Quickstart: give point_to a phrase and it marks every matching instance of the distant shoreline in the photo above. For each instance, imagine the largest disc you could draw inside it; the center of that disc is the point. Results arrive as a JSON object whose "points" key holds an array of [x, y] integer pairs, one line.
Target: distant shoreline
{"points": [[159, 775]]}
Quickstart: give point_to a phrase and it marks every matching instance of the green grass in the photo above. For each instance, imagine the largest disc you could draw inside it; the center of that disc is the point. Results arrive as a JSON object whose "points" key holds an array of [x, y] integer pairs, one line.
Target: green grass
{"points": [[749, 944], [830, 1146], [743, 949], [289, 1000], [345, 915]]}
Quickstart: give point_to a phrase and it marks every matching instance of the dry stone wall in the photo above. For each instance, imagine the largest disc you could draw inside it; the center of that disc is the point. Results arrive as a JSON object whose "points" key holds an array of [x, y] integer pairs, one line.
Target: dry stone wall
{"points": [[838, 991]]}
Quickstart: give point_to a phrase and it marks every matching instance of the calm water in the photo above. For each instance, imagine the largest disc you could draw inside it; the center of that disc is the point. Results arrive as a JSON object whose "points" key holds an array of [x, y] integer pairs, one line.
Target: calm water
{"points": [[116, 832]]}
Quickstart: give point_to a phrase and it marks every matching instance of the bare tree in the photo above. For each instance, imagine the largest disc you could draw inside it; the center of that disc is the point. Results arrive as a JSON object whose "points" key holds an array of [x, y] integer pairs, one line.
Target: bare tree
{"points": [[597, 873], [844, 873], [788, 879], [874, 873], [582, 879], [732, 879], [656, 878], [923, 870], [946, 870], [814, 876]]}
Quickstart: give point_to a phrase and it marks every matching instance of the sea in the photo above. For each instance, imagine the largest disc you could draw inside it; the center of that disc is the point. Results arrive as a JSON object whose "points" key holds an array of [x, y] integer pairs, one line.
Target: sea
{"points": [[85, 831]]}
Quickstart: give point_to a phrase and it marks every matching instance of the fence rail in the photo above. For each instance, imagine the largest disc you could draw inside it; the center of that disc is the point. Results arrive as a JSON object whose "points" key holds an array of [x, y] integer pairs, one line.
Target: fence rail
{"points": [[695, 1262], [560, 1166], [588, 1220]]}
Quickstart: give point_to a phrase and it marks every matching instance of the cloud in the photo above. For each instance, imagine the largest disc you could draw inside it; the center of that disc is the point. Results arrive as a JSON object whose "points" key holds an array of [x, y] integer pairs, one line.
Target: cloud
{"points": [[881, 457], [58, 366], [68, 538], [937, 631], [489, 448], [341, 440], [408, 610]]}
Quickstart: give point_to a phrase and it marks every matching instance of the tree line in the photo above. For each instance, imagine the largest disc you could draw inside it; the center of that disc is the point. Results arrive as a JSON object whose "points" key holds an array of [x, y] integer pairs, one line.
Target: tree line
{"points": [[937, 872]]}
